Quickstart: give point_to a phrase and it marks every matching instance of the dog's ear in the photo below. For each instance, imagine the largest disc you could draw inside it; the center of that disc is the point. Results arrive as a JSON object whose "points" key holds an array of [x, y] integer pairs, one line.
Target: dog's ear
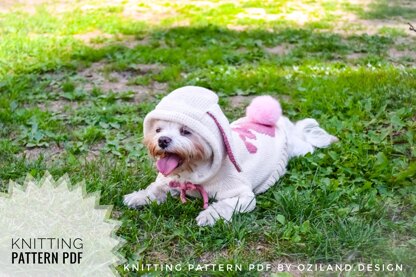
{"points": [[148, 140]]}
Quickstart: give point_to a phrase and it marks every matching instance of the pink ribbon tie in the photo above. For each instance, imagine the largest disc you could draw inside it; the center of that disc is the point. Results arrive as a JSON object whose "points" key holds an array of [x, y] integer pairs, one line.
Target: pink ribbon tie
{"points": [[183, 187]]}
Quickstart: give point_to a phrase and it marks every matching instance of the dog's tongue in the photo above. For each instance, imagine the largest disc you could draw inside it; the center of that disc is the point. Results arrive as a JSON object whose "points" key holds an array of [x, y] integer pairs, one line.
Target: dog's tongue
{"points": [[167, 164]]}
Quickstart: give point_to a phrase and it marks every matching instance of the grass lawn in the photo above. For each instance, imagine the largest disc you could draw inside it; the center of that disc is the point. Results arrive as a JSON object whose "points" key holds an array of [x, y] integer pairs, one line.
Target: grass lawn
{"points": [[77, 78]]}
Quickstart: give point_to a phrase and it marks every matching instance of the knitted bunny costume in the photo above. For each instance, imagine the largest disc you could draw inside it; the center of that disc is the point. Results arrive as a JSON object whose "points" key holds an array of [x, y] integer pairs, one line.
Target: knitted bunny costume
{"points": [[248, 155], [198, 109]]}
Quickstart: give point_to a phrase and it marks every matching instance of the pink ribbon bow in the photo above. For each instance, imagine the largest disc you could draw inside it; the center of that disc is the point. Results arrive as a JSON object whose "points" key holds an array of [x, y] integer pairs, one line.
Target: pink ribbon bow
{"points": [[183, 187]]}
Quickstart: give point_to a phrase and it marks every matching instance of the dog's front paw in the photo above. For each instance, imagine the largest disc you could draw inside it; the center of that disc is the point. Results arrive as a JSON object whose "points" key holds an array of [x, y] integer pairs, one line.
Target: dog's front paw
{"points": [[207, 217], [136, 199]]}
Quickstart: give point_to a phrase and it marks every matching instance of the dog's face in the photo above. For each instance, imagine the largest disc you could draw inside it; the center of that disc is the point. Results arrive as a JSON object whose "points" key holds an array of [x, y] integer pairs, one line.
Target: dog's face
{"points": [[176, 147]]}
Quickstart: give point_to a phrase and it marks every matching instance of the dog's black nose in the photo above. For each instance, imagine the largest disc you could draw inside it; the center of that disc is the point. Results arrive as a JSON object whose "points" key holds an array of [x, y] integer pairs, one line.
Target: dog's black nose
{"points": [[164, 142]]}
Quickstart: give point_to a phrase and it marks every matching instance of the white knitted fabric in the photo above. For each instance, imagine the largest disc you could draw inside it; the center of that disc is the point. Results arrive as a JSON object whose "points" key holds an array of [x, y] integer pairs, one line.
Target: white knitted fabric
{"points": [[263, 168]]}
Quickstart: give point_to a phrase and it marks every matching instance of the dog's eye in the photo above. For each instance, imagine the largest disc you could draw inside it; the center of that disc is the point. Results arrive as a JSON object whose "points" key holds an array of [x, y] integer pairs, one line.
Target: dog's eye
{"points": [[185, 132], [158, 130]]}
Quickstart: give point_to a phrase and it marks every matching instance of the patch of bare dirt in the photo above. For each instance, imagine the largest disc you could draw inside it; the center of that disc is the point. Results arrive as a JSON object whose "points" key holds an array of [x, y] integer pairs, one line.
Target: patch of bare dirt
{"points": [[31, 5], [61, 107], [93, 35], [54, 6], [100, 75], [94, 151], [355, 56], [237, 28], [98, 4], [349, 23], [365, 26], [408, 41], [302, 13], [281, 50], [161, 258], [147, 68], [154, 12], [200, 3], [6, 5], [53, 152], [151, 12], [132, 42], [209, 256], [258, 13], [402, 56], [120, 81], [147, 92], [295, 11], [58, 106], [98, 39], [397, 54]]}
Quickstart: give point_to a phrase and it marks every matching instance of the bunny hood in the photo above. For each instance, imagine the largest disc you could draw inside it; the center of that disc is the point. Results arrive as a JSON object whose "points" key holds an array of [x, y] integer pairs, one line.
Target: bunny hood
{"points": [[198, 109]]}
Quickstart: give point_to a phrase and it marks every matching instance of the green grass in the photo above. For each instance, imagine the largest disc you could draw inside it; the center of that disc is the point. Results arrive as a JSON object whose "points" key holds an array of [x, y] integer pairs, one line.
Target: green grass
{"points": [[353, 202]]}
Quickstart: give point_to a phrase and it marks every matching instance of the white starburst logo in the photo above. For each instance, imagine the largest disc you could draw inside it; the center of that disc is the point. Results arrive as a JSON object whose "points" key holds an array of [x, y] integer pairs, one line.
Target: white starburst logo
{"points": [[49, 228]]}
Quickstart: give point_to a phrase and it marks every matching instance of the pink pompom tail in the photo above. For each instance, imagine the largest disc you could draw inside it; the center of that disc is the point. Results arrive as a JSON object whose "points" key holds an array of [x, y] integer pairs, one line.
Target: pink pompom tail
{"points": [[264, 110]]}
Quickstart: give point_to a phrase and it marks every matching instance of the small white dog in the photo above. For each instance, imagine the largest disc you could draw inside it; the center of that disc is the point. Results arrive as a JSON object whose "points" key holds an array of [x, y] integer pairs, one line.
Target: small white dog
{"points": [[199, 153]]}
